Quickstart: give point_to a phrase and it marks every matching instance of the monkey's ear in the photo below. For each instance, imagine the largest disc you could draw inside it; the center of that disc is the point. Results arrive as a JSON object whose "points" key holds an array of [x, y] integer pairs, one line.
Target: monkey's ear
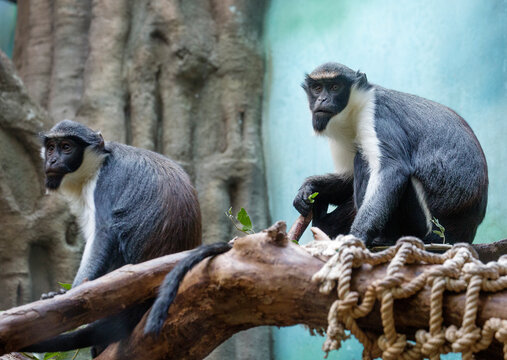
{"points": [[101, 144], [304, 84], [42, 137], [362, 80]]}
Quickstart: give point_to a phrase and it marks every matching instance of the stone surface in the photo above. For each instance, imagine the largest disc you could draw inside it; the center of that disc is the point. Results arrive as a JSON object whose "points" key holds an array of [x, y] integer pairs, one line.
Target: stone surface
{"points": [[183, 78], [38, 237]]}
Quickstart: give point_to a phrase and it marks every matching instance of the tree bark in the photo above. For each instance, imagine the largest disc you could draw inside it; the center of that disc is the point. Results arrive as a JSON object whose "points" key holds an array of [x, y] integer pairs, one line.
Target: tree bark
{"points": [[264, 280], [183, 78]]}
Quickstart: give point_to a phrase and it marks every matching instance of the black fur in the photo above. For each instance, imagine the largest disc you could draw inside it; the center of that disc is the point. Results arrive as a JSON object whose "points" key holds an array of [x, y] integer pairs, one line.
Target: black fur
{"points": [[419, 141], [145, 207], [170, 286]]}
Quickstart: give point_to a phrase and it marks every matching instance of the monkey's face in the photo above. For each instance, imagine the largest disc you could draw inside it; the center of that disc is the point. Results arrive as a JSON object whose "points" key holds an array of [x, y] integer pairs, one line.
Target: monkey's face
{"points": [[327, 97], [61, 156]]}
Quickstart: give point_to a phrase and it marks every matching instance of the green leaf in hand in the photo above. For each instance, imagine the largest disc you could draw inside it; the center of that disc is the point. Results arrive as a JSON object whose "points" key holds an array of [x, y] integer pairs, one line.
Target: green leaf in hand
{"points": [[312, 197]]}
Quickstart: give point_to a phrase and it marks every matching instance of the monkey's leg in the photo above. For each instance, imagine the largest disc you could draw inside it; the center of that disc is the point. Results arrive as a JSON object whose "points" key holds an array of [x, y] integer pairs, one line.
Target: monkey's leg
{"points": [[382, 197], [337, 221], [410, 218]]}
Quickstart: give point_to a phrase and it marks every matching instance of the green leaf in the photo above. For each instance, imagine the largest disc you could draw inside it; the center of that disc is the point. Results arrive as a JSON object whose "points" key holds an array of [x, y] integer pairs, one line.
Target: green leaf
{"points": [[241, 222], [65, 285], [295, 242], [51, 355], [30, 356], [244, 219], [64, 355], [441, 231], [312, 197]]}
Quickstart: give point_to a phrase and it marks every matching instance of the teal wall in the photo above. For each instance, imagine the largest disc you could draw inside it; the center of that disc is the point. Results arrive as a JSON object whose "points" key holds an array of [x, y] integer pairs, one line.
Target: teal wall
{"points": [[8, 13], [453, 52]]}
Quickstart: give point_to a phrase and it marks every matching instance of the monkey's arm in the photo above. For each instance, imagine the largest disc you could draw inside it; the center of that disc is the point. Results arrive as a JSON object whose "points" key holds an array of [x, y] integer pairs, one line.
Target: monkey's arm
{"points": [[332, 188], [98, 254]]}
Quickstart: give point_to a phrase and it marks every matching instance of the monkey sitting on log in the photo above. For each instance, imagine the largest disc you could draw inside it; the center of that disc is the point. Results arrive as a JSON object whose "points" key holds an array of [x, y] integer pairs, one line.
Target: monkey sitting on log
{"points": [[133, 205], [401, 161]]}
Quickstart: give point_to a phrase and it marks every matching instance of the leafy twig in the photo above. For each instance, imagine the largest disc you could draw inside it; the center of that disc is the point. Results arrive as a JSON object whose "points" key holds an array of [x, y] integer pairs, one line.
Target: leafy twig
{"points": [[242, 221], [441, 231]]}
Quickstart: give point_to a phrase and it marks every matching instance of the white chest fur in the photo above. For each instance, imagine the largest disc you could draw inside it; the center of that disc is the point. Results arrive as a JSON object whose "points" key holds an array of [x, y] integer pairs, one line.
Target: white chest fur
{"points": [[79, 188], [353, 129], [84, 207]]}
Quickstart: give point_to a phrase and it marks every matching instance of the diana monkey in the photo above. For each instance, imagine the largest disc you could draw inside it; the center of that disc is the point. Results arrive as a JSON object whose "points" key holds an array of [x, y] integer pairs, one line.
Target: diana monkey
{"points": [[134, 205], [400, 161]]}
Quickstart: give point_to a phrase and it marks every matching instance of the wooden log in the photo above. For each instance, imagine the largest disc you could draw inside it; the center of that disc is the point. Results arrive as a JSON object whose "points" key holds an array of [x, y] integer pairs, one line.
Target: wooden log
{"points": [[108, 295], [491, 251], [264, 280]]}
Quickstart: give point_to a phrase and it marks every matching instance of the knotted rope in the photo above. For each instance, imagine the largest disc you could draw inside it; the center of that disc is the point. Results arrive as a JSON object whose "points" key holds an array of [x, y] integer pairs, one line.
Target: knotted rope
{"points": [[457, 270]]}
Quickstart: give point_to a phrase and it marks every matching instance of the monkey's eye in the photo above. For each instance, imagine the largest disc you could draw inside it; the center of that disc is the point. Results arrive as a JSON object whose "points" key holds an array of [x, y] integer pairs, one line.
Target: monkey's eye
{"points": [[335, 87], [50, 149], [317, 88], [66, 147]]}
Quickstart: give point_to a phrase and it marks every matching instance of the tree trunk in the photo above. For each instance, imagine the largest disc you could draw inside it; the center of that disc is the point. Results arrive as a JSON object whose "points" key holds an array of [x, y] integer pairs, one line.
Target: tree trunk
{"points": [[183, 78], [264, 280]]}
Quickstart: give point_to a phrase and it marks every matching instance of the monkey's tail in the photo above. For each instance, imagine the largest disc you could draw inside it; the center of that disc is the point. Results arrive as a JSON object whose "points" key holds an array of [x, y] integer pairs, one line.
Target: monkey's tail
{"points": [[169, 288]]}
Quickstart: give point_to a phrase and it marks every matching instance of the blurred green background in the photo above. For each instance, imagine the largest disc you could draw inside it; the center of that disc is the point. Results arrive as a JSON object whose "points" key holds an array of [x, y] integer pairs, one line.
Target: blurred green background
{"points": [[8, 12]]}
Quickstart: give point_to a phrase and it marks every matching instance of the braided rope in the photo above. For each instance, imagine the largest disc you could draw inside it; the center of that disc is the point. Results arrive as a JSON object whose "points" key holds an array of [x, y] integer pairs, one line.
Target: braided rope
{"points": [[457, 270]]}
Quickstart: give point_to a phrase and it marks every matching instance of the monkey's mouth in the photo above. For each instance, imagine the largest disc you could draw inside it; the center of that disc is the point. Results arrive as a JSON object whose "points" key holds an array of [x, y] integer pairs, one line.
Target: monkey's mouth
{"points": [[323, 112], [54, 173]]}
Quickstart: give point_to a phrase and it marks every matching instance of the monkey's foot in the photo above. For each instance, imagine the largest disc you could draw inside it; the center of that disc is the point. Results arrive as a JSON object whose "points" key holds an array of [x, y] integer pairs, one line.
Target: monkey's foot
{"points": [[52, 294]]}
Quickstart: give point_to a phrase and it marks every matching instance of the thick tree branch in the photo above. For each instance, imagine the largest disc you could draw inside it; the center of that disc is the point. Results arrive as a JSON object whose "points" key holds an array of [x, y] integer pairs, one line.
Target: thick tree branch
{"points": [[491, 251], [264, 280], [131, 284]]}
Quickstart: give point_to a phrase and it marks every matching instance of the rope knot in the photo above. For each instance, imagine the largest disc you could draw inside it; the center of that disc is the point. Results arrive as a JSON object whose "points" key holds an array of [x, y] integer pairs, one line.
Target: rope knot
{"points": [[503, 260], [466, 340], [445, 270], [486, 271], [467, 247], [431, 344], [392, 350], [410, 240], [352, 241], [348, 302]]}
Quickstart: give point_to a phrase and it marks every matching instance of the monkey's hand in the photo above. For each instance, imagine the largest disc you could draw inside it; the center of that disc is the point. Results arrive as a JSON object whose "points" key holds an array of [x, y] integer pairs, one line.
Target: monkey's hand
{"points": [[331, 188], [52, 294], [303, 202]]}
